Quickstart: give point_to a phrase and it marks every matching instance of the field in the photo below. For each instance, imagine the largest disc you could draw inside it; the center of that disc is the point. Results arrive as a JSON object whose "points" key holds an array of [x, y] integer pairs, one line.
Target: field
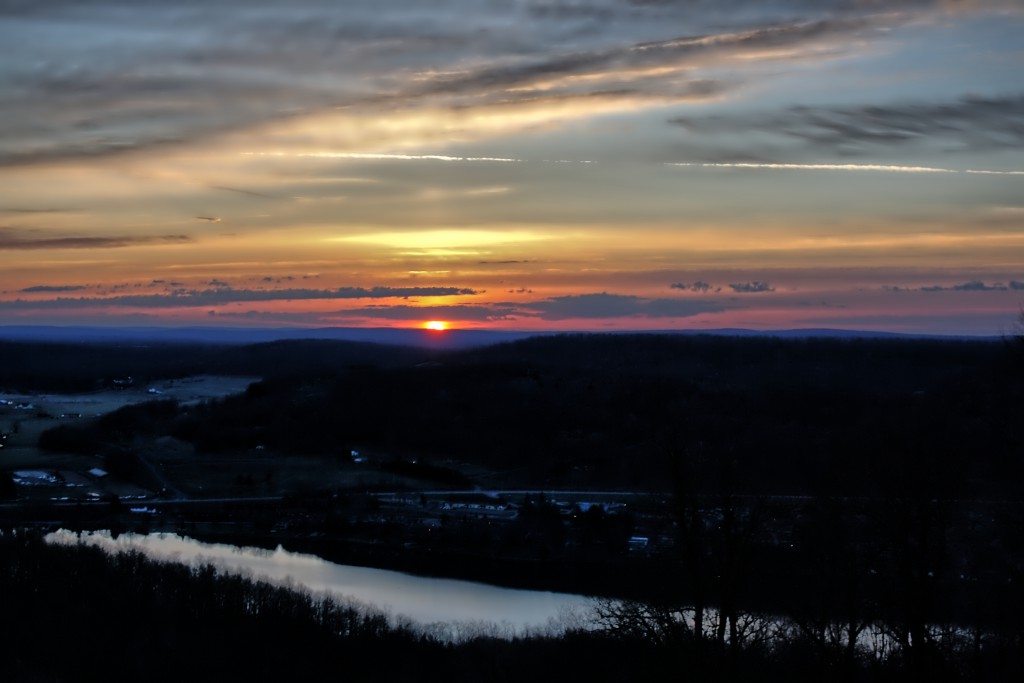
{"points": [[23, 417], [252, 472]]}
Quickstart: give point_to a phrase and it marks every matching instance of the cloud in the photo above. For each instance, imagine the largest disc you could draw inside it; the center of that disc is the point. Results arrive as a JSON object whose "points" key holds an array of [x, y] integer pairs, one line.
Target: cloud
{"points": [[826, 167], [970, 123], [698, 286], [969, 286], [135, 76], [606, 305], [33, 210], [991, 172], [367, 156], [237, 190], [403, 312], [593, 306], [972, 286], [52, 288], [226, 295], [751, 287], [13, 239]]}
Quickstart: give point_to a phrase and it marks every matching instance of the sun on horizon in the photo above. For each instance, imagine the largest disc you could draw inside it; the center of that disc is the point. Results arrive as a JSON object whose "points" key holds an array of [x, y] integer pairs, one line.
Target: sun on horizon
{"points": [[435, 325]]}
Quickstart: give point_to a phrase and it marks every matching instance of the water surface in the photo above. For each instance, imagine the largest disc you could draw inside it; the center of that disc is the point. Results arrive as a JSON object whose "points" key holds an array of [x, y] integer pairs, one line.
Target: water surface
{"points": [[423, 599]]}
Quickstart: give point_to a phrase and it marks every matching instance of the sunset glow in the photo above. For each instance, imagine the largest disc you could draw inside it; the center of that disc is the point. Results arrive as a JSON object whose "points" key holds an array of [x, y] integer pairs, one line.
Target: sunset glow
{"points": [[604, 165], [436, 325]]}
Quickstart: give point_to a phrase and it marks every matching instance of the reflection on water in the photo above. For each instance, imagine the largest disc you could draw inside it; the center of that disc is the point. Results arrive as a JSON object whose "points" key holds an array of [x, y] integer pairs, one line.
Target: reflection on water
{"points": [[424, 600]]}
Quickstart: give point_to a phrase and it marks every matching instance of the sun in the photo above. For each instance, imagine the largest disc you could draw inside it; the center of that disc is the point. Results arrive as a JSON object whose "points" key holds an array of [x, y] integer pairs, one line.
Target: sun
{"points": [[436, 325]]}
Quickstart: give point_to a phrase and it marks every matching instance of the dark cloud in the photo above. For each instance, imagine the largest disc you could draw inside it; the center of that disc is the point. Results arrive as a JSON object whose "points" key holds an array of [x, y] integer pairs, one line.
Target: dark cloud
{"points": [[12, 239], [970, 123], [969, 286], [698, 286], [972, 286], [239, 190], [43, 153], [53, 288], [606, 305], [227, 295], [31, 211], [523, 76], [751, 287]]}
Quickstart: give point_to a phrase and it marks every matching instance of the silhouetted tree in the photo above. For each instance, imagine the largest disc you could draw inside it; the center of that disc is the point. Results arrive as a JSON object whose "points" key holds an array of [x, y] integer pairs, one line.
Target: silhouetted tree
{"points": [[7, 486]]}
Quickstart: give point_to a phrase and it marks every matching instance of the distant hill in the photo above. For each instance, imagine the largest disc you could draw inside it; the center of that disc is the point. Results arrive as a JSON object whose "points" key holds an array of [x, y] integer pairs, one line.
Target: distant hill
{"points": [[451, 339]]}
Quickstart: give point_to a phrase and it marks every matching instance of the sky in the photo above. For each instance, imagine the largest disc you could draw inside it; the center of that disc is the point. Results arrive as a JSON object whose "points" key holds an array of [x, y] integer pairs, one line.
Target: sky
{"points": [[513, 164]]}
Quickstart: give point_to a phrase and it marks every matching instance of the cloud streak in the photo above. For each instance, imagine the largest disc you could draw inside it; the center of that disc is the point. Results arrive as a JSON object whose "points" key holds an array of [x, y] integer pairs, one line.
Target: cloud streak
{"points": [[402, 157], [941, 135], [52, 289], [820, 167], [968, 123], [13, 239], [976, 286], [222, 294], [969, 286], [604, 305]]}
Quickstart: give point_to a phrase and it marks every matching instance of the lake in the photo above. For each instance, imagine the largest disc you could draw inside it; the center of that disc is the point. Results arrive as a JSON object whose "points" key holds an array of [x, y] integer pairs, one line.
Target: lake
{"points": [[444, 607]]}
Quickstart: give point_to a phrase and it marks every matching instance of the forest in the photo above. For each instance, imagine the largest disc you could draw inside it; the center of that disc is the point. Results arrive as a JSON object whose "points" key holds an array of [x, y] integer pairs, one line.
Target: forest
{"points": [[841, 509], [813, 417]]}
